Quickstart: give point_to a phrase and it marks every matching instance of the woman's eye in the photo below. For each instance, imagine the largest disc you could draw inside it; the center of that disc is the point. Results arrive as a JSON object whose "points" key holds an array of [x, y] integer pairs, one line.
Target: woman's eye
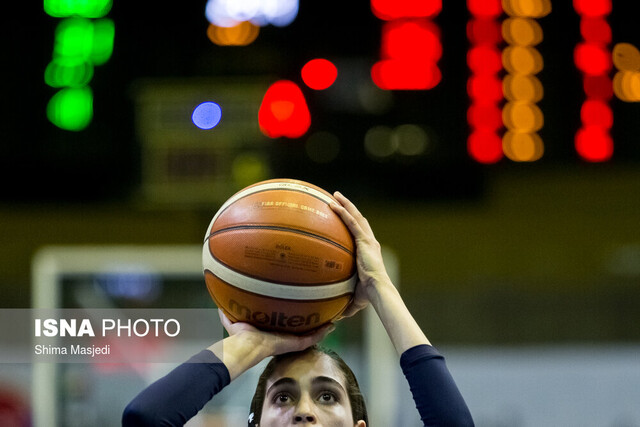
{"points": [[282, 398], [328, 397]]}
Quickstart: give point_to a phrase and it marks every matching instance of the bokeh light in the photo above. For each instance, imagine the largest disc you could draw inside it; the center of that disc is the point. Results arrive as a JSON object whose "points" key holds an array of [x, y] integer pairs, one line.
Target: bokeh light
{"points": [[412, 140], [71, 108], [242, 34], [594, 144], [527, 8], [485, 8], [626, 85], [379, 143], [229, 13], [598, 87], [626, 57], [407, 39], [484, 31], [103, 38], [522, 146], [388, 10], [596, 112], [626, 82], [595, 30], [284, 111], [484, 89], [248, 168], [522, 116], [522, 60], [206, 115], [410, 45], [319, 73], [399, 74], [484, 59], [592, 58], [486, 117], [73, 38], [522, 87], [484, 146], [592, 8], [484, 86], [82, 8], [522, 31], [68, 72]]}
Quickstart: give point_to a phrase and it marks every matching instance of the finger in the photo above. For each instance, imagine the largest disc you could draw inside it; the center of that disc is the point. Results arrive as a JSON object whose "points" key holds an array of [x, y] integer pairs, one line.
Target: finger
{"points": [[350, 221], [225, 320], [316, 336], [354, 211], [351, 310]]}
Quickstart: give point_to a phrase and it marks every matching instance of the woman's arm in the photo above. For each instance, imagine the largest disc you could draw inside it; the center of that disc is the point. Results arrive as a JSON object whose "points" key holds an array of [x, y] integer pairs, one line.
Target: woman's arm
{"points": [[374, 285], [435, 393]]}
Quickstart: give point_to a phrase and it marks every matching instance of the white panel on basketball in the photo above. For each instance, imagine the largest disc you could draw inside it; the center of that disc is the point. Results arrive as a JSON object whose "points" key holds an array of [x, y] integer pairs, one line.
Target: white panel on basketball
{"points": [[275, 290]]}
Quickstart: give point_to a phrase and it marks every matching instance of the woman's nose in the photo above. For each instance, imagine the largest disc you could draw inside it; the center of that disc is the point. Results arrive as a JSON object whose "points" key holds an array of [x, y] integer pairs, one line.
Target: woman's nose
{"points": [[304, 418], [304, 412]]}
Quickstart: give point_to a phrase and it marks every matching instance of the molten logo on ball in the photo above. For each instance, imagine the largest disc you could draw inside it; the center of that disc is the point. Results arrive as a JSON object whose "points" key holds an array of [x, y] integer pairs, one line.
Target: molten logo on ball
{"points": [[275, 319]]}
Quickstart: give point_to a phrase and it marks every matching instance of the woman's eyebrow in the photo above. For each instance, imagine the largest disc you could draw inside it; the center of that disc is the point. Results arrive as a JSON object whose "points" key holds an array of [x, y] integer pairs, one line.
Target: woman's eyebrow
{"points": [[282, 381], [326, 380]]}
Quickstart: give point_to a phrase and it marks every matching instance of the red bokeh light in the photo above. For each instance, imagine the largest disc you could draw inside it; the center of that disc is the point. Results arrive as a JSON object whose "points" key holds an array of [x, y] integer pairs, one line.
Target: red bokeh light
{"points": [[595, 30], [484, 31], [283, 111], [398, 74], [484, 146], [594, 144], [411, 39], [592, 7], [392, 9], [488, 8], [485, 89], [319, 73], [592, 58], [484, 60], [486, 117], [598, 87], [597, 113]]}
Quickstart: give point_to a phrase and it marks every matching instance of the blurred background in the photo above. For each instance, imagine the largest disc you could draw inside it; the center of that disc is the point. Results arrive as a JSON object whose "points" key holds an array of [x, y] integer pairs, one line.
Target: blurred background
{"points": [[493, 146]]}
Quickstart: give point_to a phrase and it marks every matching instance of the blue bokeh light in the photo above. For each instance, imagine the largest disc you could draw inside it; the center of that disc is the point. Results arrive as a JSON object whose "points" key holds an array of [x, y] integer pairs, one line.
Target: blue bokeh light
{"points": [[206, 115]]}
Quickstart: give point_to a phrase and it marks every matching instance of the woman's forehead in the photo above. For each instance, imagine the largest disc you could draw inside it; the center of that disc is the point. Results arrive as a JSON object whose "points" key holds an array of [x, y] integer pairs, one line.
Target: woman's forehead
{"points": [[306, 367]]}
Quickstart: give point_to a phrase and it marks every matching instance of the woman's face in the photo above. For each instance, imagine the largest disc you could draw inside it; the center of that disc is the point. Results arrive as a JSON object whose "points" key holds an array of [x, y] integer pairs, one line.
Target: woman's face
{"points": [[307, 391]]}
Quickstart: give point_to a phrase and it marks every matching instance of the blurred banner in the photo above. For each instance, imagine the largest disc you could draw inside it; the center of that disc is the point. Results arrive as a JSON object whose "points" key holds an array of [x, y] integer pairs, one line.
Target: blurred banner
{"points": [[106, 335]]}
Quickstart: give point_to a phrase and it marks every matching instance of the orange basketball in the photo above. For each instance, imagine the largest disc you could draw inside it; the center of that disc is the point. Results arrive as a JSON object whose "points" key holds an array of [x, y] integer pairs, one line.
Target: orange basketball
{"points": [[275, 255]]}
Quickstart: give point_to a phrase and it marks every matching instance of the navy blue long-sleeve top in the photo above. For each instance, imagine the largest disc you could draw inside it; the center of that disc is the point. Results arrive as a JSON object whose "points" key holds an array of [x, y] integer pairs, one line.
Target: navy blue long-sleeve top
{"points": [[178, 396]]}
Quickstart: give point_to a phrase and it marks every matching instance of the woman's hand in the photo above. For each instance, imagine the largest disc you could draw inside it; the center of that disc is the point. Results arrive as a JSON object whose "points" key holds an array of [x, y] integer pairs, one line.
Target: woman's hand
{"points": [[370, 265], [246, 346], [274, 342]]}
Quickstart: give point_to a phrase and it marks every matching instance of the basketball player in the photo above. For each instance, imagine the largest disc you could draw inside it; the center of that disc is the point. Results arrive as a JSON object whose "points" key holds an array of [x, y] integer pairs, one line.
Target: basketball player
{"points": [[304, 385]]}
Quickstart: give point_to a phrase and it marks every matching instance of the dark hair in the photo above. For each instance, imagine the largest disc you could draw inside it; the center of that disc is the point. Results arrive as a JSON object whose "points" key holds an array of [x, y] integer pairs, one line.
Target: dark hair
{"points": [[358, 407]]}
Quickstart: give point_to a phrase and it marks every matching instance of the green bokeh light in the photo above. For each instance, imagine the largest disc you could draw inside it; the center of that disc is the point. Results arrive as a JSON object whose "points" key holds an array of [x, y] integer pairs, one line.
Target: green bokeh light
{"points": [[103, 35], [68, 72], [83, 8], [71, 108], [81, 38]]}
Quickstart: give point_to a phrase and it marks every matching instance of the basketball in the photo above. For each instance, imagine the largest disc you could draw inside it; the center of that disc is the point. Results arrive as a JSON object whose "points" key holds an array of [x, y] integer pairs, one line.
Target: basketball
{"points": [[276, 256]]}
